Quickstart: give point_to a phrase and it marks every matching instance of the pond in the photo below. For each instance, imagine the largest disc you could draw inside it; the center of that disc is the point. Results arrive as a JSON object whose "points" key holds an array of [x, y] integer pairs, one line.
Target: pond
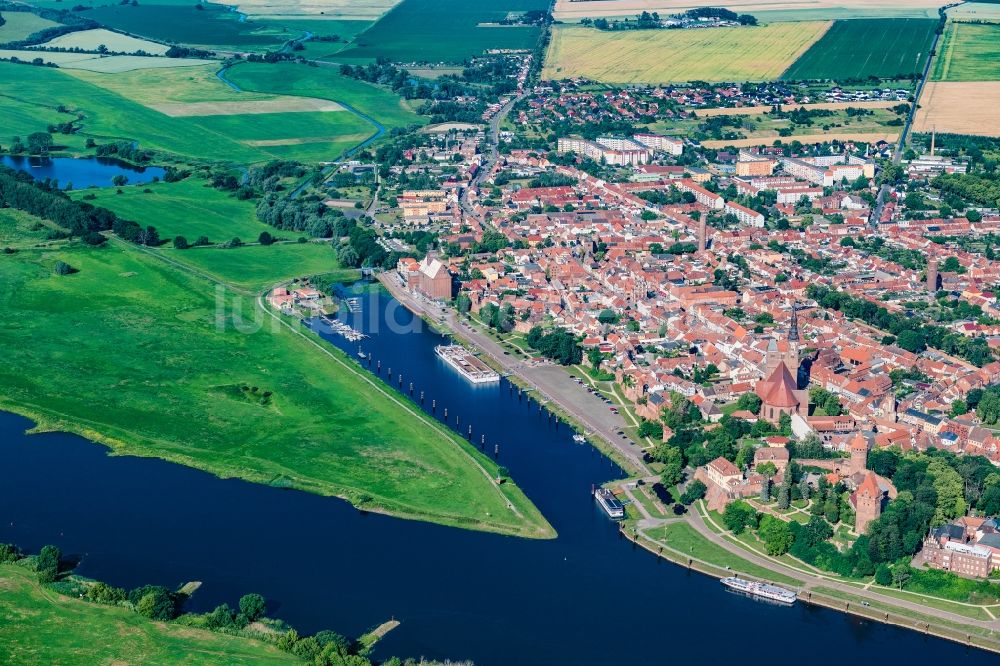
{"points": [[81, 172]]}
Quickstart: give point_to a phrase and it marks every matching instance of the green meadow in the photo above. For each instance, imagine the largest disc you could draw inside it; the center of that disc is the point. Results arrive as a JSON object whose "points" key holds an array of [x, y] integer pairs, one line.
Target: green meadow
{"points": [[139, 353], [189, 208], [443, 31], [21, 24], [326, 83], [969, 52], [859, 48], [37, 91], [257, 267], [41, 626]]}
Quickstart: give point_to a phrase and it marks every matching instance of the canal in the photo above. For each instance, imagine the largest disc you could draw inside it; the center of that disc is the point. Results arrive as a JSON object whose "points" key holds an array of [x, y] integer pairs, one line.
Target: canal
{"points": [[587, 597]]}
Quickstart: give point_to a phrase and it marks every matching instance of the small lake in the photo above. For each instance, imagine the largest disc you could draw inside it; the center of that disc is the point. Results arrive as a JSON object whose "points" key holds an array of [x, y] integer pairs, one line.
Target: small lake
{"points": [[586, 598], [81, 172]]}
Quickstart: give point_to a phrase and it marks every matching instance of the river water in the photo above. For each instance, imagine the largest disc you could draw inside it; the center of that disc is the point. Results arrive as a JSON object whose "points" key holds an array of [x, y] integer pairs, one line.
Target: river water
{"points": [[587, 597], [81, 172]]}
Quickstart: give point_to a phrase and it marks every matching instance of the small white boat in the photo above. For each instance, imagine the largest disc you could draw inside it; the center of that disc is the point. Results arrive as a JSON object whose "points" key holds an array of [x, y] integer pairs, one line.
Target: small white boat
{"points": [[361, 354], [579, 439]]}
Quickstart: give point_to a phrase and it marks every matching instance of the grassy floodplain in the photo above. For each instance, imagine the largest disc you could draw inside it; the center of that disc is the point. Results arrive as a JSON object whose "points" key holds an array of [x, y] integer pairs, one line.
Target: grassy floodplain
{"points": [[968, 52], [189, 208], [41, 626], [21, 24], [326, 83], [307, 136], [859, 48], [165, 377], [664, 56], [443, 31]]}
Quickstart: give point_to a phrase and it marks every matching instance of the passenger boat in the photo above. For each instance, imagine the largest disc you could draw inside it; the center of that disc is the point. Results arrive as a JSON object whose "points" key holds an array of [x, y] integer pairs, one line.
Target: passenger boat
{"points": [[610, 503], [763, 590]]}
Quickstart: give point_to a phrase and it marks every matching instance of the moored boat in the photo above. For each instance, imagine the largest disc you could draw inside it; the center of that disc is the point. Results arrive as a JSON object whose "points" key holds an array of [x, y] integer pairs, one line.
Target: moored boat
{"points": [[758, 589]]}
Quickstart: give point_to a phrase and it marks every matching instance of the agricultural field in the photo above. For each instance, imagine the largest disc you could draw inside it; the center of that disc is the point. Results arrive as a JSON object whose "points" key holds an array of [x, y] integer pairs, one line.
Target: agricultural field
{"points": [[867, 47], [240, 138], [173, 86], [42, 626], [968, 52], [351, 10], [442, 31], [374, 101], [91, 40], [959, 107], [214, 26], [664, 56], [189, 208], [976, 11], [798, 10], [22, 24], [92, 62], [19, 228], [169, 337]]}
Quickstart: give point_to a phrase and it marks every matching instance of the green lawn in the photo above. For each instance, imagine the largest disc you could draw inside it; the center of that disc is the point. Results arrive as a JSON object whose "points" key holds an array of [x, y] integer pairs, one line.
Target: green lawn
{"points": [[375, 101], [18, 228], [681, 536], [860, 48], [41, 626], [257, 266], [969, 52], [137, 354], [443, 31], [189, 208]]}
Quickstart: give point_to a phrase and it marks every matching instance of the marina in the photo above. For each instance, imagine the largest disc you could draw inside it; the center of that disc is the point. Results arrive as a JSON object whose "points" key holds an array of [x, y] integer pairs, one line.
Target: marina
{"points": [[470, 367], [610, 503], [343, 330], [762, 590]]}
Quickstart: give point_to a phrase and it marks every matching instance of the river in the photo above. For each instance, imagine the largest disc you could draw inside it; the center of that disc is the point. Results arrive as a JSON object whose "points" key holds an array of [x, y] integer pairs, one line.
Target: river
{"points": [[587, 597], [81, 172]]}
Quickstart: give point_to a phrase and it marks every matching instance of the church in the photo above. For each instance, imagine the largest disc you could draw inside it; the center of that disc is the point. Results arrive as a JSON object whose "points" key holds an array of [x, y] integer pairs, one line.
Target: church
{"points": [[779, 390]]}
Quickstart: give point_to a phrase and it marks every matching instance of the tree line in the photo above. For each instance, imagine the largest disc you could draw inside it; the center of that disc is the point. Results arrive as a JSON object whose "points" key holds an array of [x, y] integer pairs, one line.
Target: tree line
{"points": [[158, 603], [81, 219]]}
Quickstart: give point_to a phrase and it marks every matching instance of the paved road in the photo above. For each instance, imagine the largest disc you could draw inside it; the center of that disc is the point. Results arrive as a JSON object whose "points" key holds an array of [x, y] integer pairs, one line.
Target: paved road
{"points": [[552, 382], [897, 152], [814, 580]]}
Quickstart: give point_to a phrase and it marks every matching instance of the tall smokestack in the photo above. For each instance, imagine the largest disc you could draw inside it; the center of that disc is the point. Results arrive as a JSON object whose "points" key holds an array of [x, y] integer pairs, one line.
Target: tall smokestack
{"points": [[932, 275], [702, 234]]}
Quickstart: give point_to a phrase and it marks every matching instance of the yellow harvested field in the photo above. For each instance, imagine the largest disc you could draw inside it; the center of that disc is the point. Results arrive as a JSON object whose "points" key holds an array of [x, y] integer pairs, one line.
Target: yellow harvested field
{"points": [[97, 63], [866, 137], [161, 86], [276, 105], [90, 40], [665, 56], [960, 107], [832, 106], [570, 10], [976, 11], [353, 10]]}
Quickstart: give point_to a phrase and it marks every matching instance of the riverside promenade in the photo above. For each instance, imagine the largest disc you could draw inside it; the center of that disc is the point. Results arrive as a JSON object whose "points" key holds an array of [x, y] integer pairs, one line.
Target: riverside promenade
{"points": [[552, 383]]}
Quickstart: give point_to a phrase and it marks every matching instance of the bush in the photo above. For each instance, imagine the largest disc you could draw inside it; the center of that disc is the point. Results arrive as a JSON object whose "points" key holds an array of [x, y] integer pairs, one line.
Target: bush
{"points": [[62, 268], [154, 602], [102, 593], [252, 606], [47, 564], [694, 492], [181, 243], [9, 553]]}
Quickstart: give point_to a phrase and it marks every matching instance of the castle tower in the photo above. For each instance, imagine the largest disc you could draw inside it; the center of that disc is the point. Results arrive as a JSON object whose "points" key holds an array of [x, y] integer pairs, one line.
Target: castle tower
{"points": [[867, 500], [858, 447], [932, 276], [702, 235]]}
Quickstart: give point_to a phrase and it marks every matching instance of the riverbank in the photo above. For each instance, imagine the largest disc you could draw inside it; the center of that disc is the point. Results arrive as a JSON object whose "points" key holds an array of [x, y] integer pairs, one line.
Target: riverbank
{"points": [[567, 399], [828, 598]]}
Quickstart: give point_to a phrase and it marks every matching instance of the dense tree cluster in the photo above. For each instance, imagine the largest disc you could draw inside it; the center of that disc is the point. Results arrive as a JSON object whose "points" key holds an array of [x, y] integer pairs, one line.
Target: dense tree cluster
{"points": [[18, 190], [558, 344], [911, 334]]}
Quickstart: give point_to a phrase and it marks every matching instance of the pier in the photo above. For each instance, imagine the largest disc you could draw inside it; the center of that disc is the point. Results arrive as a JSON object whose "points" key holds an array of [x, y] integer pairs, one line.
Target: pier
{"points": [[343, 330]]}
